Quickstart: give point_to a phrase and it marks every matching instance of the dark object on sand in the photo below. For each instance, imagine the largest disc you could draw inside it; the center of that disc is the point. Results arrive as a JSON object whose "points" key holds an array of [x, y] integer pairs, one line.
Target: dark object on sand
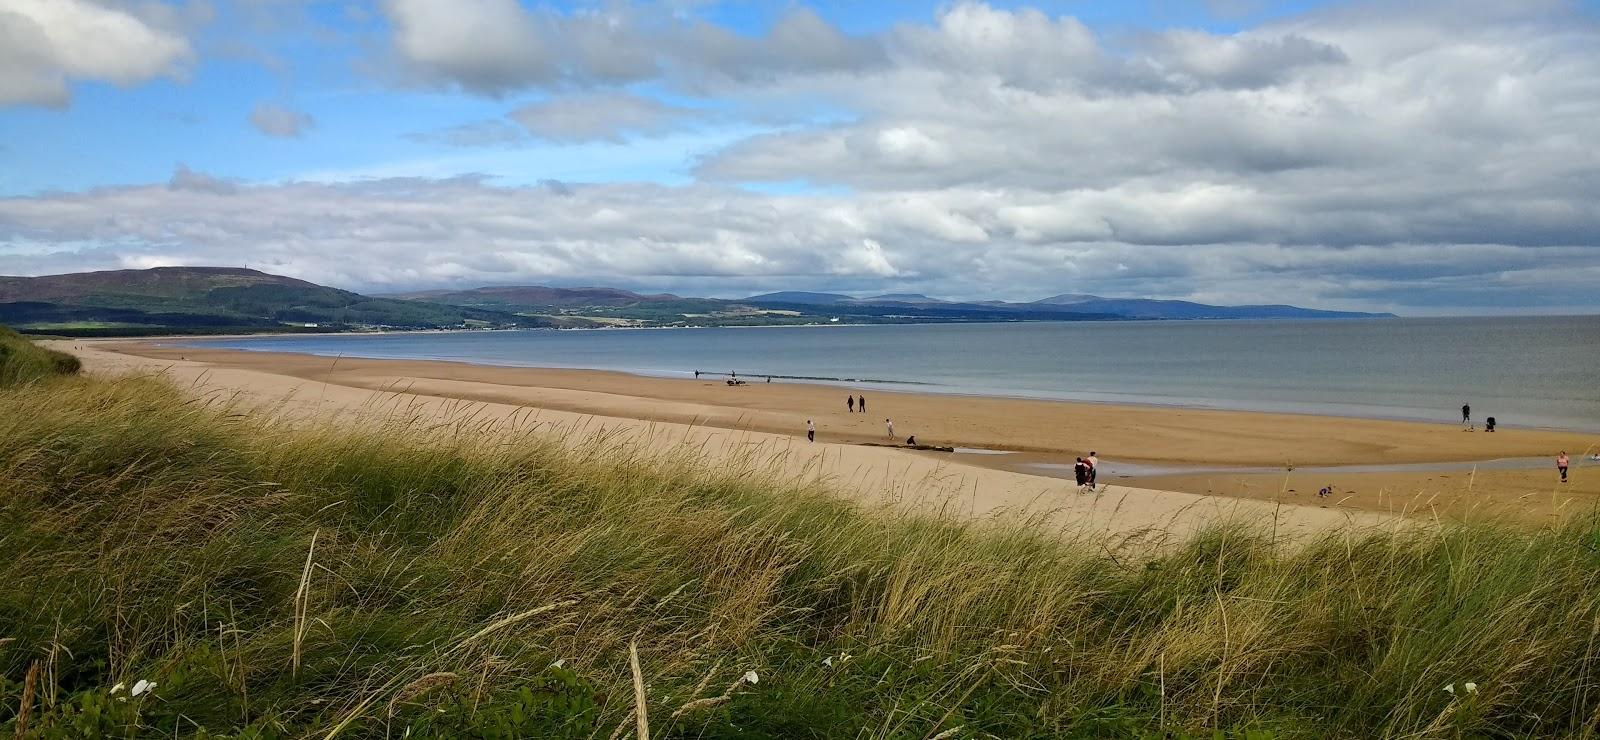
{"points": [[735, 382], [926, 448], [911, 441], [1488, 424]]}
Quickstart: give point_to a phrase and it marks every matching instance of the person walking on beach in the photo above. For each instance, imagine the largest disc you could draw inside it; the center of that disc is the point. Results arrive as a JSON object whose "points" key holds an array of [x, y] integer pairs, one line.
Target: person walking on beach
{"points": [[1094, 468], [1561, 465], [1080, 473], [890, 424], [861, 403], [850, 403], [811, 431], [1466, 416], [697, 374]]}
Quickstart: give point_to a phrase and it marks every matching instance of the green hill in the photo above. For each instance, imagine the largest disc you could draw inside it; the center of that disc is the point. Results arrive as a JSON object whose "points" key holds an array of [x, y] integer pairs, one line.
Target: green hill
{"points": [[209, 299]]}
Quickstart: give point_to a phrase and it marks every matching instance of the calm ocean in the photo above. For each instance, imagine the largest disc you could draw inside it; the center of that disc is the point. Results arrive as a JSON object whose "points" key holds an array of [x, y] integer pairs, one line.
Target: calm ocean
{"points": [[1526, 371]]}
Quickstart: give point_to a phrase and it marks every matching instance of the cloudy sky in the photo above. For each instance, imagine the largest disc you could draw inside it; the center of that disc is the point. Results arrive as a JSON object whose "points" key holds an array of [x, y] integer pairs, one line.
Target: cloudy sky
{"points": [[1420, 157]]}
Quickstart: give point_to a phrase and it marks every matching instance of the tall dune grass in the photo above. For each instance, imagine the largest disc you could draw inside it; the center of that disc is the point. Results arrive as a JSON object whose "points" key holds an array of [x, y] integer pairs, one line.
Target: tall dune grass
{"points": [[22, 361], [278, 580]]}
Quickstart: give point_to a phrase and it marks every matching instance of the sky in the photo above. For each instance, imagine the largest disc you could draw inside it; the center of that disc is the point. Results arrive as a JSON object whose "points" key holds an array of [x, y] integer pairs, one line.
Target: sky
{"points": [[1425, 158]]}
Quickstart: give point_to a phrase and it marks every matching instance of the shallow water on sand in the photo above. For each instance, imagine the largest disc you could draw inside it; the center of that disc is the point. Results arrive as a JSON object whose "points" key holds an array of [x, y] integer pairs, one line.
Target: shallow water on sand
{"points": [[1525, 371], [1111, 468]]}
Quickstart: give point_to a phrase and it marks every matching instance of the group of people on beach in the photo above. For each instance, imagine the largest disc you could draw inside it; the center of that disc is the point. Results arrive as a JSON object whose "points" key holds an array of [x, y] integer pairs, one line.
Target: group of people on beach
{"points": [[1084, 471], [1466, 420], [1562, 461], [733, 377], [858, 404], [853, 404]]}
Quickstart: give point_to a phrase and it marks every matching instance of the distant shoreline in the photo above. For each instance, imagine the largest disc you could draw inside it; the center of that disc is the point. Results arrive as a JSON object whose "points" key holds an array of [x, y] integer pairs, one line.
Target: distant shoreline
{"points": [[43, 334]]}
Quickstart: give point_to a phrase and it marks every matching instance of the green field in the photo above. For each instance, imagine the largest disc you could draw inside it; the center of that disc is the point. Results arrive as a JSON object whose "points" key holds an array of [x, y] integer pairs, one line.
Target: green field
{"points": [[415, 580]]}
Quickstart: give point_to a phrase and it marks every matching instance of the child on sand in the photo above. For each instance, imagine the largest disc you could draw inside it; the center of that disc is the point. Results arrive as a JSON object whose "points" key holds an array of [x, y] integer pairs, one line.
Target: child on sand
{"points": [[1561, 465], [811, 431], [890, 424]]}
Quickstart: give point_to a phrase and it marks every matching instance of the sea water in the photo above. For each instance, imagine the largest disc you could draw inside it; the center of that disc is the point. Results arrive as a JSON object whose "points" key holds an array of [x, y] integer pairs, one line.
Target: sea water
{"points": [[1525, 371]]}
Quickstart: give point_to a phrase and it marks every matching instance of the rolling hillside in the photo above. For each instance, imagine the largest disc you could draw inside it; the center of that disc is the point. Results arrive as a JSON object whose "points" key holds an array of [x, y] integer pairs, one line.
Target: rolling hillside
{"points": [[229, 299], [215, 299]]}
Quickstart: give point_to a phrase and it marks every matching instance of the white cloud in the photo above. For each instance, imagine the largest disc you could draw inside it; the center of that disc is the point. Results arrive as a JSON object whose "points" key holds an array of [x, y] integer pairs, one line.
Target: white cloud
{"points": [[1024, 48], [956, 242], [280, 122], [1199, 58], [798, 43], [485, 45], [1371, 127], [481, 133], [605, 116], [495, 47], [184, 178], [46, 43], [1362, 156]]}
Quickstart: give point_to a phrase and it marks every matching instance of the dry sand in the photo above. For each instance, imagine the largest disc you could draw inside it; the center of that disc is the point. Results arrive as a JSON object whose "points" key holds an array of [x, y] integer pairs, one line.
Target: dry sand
{"points": [[768, 421]]}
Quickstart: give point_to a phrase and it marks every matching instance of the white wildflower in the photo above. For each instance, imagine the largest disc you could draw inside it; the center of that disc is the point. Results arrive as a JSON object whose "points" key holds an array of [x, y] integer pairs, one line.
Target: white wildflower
{"points": [[828, 661], [1450, 688], [559, 663], [750, 677], [142, 686], [1472, 688], [120, 686]]}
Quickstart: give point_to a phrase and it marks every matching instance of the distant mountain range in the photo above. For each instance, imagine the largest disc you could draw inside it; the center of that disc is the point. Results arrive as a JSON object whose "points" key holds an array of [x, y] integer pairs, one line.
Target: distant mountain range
{"points": [[535, 295], [1066, 303], [227, 299], [215, 300]]}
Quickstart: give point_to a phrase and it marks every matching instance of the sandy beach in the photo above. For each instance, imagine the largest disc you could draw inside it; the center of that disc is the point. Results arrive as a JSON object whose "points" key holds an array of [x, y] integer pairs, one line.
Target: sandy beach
{"points": [[774, 416]]}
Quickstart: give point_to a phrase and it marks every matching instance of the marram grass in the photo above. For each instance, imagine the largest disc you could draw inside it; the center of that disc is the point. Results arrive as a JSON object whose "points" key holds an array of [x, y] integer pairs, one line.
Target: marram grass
{"points": [[304, 580], [22, 361]]}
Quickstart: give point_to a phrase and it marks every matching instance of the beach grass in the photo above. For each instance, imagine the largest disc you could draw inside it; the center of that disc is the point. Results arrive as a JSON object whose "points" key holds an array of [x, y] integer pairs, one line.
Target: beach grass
{"points": [[22, 361], [398, 579]]}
